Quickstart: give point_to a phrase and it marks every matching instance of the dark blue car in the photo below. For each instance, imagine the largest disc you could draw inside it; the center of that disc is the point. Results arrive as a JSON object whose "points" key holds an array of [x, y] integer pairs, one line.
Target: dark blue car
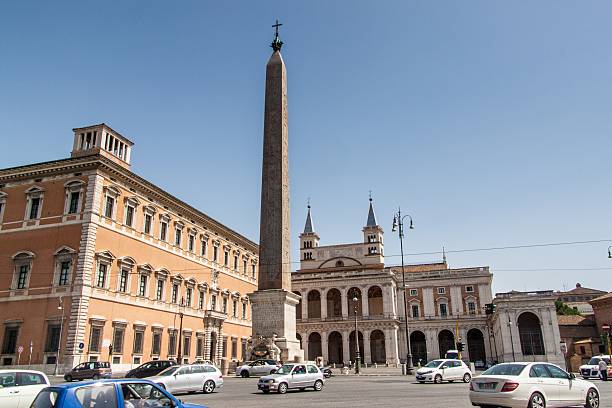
{"points": [[123, 393]]}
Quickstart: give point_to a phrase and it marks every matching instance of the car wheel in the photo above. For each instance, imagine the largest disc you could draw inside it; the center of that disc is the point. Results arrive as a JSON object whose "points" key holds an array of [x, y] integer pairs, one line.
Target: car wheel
{"points": [[272, 372], [244, 374], [438, 379], [592, 399], [282, 388], [209, 386], [318, 385], [467, 378], [451, 381], [95, 377], [68, 378], [302, 389], [537, 401]]}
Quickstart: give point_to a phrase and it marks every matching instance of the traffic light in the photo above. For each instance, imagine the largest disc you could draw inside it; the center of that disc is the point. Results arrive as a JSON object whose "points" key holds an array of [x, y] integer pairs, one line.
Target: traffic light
{"points": [[490, 308], [460, 346]]}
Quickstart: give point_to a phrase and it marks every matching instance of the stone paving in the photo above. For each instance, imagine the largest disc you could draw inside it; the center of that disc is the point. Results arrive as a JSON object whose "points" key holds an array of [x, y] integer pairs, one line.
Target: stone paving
{"points": [[352, 391]]}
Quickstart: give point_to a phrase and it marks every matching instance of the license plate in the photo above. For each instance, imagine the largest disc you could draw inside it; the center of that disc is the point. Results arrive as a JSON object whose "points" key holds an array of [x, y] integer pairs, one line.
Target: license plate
{"points": [[487, 386]]}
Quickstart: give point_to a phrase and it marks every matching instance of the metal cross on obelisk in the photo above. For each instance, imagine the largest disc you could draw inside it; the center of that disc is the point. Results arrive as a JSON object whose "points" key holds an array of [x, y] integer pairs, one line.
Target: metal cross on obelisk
{"points": [[277, 43]]}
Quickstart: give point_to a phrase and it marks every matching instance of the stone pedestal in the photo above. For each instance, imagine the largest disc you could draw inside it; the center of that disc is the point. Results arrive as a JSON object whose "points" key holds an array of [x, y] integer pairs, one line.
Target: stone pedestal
{"points": [[274, 322]]}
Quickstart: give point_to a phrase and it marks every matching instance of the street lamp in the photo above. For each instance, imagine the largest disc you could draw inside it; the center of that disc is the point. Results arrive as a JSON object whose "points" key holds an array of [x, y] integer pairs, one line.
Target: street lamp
{"points": [[180, 341], [59, 343], [511, 338], [398, 224], [610, 252], [357, 356]]}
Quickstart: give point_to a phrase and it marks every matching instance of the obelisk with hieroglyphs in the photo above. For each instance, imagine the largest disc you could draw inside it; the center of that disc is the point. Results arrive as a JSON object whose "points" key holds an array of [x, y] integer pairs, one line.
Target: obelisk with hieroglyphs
{"points": [[273, 304]]}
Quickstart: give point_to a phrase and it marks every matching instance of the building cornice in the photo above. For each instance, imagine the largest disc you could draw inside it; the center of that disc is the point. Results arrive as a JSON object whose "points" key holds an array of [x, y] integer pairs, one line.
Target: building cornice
{"points": [[94, 162]]}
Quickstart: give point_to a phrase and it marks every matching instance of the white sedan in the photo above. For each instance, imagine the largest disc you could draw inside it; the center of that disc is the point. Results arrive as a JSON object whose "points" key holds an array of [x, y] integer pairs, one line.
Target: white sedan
{"points": [[18, 388], [534, 385], [190, 378], [444, 370]]}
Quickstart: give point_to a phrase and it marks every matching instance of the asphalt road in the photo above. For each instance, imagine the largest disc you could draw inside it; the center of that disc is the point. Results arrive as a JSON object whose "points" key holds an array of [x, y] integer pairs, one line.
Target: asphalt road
{"points": [[351, 392]]}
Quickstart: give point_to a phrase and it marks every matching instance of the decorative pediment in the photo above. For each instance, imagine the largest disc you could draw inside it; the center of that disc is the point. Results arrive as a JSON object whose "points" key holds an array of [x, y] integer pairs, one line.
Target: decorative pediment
{"points": [[64, 250], [106, 255], [339, 261], [34, 190], [112, 191], [127, 261], [23, 255], [162, 273], [145, 268]]}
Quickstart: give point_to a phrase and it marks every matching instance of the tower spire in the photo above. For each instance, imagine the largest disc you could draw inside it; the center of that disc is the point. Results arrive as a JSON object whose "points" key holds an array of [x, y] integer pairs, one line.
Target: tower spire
{"points": [[371, 216], [308, 228], [276, 43]]}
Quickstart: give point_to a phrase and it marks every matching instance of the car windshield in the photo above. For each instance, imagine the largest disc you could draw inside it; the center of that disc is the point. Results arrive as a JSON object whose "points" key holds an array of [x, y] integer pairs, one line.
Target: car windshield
{"points": [[45, 399], [169, 371], [285, 369], [596, 360], [434, 363], [505, 369]]}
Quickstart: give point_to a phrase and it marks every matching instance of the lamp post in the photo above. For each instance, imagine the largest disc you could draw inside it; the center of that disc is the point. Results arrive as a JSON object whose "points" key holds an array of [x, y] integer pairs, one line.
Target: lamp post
{"points": [[511, 338], [357, 356], [59, 343], [610, 252], [398, 224], [179, 355]]}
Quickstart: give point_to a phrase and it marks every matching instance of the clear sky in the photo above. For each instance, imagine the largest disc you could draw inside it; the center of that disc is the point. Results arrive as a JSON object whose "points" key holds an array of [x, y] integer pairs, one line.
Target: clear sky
{"points": [[489, 122]]}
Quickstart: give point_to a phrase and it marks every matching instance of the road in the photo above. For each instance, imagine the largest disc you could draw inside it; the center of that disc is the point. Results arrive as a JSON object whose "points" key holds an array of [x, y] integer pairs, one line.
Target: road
{"points": [[352, 392]]}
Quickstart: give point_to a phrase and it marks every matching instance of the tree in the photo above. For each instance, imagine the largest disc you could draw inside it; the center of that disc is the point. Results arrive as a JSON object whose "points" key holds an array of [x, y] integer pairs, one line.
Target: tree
{"points": [[563, 309]]}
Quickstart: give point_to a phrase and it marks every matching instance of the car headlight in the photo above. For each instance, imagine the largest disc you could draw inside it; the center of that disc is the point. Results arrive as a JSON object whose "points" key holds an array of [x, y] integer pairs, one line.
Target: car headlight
{"points": [[271, 381]]}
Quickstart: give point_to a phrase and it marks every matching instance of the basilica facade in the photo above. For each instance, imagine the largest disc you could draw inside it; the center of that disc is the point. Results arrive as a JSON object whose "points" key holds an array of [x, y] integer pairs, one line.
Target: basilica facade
{"points": [[349, 286]]}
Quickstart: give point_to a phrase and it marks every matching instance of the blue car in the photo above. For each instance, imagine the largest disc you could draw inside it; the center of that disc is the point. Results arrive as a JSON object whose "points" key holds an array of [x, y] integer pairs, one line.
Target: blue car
{"points": [[123, 393]]}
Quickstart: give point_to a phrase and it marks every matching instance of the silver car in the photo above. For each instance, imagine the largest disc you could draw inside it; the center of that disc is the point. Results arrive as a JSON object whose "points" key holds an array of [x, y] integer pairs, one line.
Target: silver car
{"points": [[188, 378], [293, 375], [257, 367]]}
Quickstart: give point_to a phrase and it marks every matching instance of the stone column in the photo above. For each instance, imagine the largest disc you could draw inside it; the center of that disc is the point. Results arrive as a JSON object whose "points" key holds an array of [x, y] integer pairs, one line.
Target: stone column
{"points": [[324, 347], [433, 347], [305, 345], [346, 355], [304, 306], [390, 346], [344, 303], [367, 351], [365, 307], [207, 332], [323, 304]]}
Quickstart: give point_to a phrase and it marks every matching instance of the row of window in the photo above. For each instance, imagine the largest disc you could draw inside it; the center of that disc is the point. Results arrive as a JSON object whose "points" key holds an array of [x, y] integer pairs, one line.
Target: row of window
{"points": [[102, 281], [442, 290], [163, 233], [63, 266], [118, 346], [74, 191]]}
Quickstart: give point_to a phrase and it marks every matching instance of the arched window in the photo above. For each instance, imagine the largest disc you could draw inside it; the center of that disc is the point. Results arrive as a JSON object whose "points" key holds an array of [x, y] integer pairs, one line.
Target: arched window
{"points": [[446, 341], [314, 304], [354, 305], [530, 334], [375, 301], [377, 347], [418, 345], [334, 303], [314, 346]]}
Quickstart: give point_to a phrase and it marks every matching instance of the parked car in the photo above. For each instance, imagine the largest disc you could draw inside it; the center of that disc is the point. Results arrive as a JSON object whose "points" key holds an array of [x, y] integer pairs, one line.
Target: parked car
{"points": [[150, 368], [536, 385], [18, 388], [204, 362], [444, 370], [257, 367], [327, 371], [123, 393], [93, 370], [189, 378], [591, 369], [293, 375]]}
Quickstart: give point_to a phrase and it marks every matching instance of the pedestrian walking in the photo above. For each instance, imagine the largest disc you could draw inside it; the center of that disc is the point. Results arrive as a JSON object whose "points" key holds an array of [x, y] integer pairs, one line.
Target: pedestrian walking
{"points": [[603, 370]]}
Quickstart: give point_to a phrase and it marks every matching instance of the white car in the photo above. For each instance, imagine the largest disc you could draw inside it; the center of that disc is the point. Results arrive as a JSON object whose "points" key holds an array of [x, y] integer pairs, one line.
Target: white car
{"points": [[18, 388], [536, 385], [189, 378], [591, 369], [257, 367], [444, 370]]}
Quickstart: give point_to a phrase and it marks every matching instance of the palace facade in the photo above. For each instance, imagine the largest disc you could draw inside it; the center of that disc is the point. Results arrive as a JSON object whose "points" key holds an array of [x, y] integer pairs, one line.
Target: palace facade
{"points": [[348, 284], [97, 263]]}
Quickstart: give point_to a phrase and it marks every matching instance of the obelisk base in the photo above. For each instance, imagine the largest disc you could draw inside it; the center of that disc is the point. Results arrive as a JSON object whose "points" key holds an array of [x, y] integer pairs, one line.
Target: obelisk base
{"points": [[273, 314]]}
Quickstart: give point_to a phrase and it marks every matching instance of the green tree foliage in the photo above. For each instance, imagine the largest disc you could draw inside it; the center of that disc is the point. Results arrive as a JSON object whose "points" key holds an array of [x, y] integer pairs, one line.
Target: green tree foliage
{"points": [[563, 309]]}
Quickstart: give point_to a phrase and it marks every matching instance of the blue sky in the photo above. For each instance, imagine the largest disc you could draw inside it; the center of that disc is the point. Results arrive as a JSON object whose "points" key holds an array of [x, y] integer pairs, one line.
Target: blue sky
{"points": [[488, 122]]}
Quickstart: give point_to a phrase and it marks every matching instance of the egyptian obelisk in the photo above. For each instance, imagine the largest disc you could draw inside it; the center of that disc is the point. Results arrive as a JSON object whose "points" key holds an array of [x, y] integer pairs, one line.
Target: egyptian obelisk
{"points": [[273, 304]]}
